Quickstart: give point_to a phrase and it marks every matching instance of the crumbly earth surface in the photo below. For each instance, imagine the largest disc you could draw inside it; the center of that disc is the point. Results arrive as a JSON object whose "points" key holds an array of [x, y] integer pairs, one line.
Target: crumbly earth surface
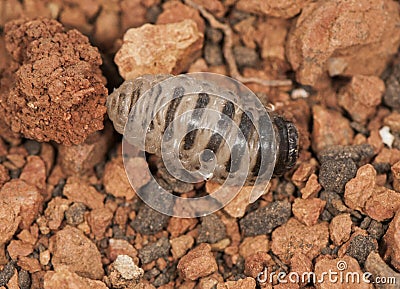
{"points": [[57, 91], [68, 215]]}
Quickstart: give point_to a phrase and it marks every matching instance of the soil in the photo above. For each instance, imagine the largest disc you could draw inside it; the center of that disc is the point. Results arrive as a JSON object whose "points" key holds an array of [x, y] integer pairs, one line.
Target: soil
{"points": [[68, 215]]}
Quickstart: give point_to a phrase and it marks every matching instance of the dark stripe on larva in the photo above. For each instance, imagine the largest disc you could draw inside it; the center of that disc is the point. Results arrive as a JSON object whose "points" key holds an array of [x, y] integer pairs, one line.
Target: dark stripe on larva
{"points": [[259, 169], [256, 168], [202, 102], [177, 97], [216, 139], [246, 127], [155, 90]]}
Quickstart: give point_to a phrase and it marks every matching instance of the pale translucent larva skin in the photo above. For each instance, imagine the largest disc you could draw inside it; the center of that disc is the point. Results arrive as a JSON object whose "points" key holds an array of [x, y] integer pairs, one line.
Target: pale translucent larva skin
{"points": [[120, 102], [195, 142]]}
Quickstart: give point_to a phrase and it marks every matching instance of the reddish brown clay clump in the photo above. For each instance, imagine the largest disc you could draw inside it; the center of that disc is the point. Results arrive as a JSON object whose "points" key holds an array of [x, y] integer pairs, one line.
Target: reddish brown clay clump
{"points": [[58, 91]]}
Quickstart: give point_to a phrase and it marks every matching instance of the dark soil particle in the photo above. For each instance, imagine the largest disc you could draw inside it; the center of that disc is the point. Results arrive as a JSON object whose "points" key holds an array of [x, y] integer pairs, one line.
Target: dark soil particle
{"points": [[24, 279], [211, 230], [152, 273], [213, 54], [392, 93], [332, 201], [33, 147], [360, 154], [166, 277], [381, 168], [360, 247], [58, 189], [7, 273], [149, 221], [153, 251], [75, 214], [326, 216], [334, 174], [264, 220], [213, 35], [246, 57], [376, 229]]}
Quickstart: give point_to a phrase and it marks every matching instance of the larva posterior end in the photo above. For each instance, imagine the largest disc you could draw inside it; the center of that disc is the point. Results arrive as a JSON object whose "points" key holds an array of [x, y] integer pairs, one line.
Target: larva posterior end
{"points": [[287, 145]]}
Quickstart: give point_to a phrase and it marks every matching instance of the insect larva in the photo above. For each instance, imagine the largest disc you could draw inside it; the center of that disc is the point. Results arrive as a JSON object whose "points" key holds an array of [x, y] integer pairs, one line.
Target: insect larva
{"points": [[203, 125]]}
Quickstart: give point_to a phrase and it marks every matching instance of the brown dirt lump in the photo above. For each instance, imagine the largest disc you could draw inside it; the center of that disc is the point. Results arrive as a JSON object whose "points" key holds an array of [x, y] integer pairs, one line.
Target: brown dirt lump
{"points": [[58, 91]]}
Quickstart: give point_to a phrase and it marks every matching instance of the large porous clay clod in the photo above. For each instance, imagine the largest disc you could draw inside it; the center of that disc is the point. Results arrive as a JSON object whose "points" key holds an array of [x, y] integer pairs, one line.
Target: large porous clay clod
{"points": [[57, 90]]}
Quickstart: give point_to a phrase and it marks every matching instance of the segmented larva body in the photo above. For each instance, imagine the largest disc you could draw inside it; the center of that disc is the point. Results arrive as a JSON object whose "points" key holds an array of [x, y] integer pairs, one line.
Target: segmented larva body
{"points": [[177, 122]]}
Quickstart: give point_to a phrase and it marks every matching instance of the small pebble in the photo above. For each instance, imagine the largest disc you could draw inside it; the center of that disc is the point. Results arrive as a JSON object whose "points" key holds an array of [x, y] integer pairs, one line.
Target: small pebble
{"points": [[79, 191], [23, 198], [334, 174], [237, 207], [71, 249], [346, 265], [180, 245], [376, 229], [99, 220], [212, 229], [299, 93], [313, 51], [340, 229], [155, 250], [127, 268], [386, 136], [361, 96], [379, 268], [392, 93], [199, 262], [360, 247], [393, 121], [392, 243], [264, 220], [9, 221], [245, 56], [256, 263], [33, 147], [383, 204], [81, 159], [176, 11], [252, 245], [308, 211], [311, 188], [360, 188], [178, 226], [142, 50], [248, 283], [116, 182], [213, 54], [24, 279], [75, 214], [294, 237], [149, 221], [7, 273], [214, 35], [55, 212], [330, 128], [63, 279], [116, 247]]}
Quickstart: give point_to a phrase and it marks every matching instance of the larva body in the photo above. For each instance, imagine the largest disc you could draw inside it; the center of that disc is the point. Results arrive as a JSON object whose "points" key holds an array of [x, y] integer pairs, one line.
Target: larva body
{"points": [[204, 126]]}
